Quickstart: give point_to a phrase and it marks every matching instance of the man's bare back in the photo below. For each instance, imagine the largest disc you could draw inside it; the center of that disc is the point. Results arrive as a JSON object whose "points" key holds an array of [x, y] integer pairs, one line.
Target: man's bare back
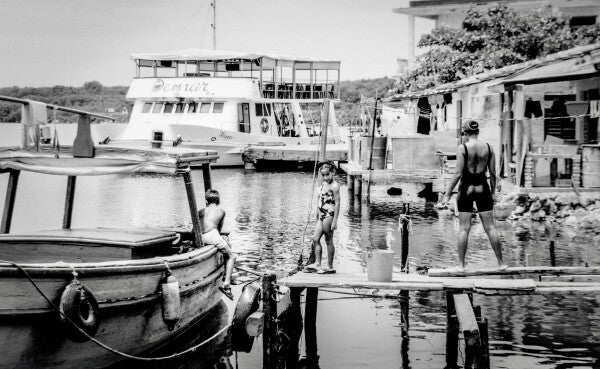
{"points": [[212, 218]]}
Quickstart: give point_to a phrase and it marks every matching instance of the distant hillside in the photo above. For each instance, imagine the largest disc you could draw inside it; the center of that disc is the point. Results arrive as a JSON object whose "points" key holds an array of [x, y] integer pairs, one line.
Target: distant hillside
{"points": [[94, 97]]}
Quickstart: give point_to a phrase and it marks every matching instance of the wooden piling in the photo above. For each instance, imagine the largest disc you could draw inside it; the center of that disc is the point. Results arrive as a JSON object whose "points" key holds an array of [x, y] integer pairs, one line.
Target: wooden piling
{"points": [[357, 187], [405, 239], [9, 202], [404, 296], [270, 311], [310, 325], [294, 328], [350, 181], [206, 176]]}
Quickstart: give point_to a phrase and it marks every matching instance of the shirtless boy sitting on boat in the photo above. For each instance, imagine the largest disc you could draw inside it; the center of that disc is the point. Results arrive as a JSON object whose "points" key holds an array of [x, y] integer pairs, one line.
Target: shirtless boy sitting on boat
{"points": [[212, 218]]}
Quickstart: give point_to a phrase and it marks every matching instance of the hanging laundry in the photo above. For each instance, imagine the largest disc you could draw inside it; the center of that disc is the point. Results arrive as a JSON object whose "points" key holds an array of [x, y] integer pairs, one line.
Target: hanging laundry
{"points": [[594, 111], [533, 109]]}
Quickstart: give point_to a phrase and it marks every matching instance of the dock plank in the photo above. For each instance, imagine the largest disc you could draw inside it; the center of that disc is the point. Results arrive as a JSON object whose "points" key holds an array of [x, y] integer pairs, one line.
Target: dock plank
{"points": [[335, 152], [515, 271], [466, 319]]}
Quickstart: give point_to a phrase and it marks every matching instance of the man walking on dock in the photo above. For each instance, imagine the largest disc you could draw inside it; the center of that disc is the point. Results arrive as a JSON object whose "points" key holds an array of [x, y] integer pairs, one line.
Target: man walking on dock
{"points": [[473, 159]]}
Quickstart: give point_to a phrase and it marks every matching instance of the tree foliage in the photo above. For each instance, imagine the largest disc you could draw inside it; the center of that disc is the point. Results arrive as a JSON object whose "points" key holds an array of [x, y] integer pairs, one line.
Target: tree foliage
{"points": [[491, 39]]}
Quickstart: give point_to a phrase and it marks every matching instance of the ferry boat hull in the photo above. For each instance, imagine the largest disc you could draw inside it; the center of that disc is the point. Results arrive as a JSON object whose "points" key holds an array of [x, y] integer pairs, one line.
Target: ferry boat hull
{"points": [[31, 335]]}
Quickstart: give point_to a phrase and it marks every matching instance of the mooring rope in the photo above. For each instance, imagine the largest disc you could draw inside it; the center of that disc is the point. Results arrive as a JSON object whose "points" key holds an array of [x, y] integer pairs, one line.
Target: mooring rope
{"points": [[104, 346]]}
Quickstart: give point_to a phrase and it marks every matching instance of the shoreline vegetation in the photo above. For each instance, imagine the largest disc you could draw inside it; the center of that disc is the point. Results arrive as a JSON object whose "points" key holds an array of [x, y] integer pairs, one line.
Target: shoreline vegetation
{"points": [[94, 97]]}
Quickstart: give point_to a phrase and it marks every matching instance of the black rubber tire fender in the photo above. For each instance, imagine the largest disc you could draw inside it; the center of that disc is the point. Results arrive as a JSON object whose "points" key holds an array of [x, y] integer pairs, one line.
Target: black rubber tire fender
{"points": [[247, 304], [79, 304]]}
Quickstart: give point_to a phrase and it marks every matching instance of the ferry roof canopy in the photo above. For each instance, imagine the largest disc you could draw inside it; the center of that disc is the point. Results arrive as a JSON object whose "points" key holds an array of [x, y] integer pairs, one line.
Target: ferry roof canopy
{"points": [[206, 58], [108, 159]]}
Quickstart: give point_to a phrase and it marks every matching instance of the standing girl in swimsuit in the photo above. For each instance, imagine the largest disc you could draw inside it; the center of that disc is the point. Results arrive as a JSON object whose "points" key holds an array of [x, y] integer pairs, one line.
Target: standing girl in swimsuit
{"points": [[473, 159], [328, 210]]}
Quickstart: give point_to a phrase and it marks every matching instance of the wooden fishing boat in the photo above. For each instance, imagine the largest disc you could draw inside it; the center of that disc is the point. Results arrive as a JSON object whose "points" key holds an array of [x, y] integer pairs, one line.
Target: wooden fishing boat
{"points": [[128, 302]]}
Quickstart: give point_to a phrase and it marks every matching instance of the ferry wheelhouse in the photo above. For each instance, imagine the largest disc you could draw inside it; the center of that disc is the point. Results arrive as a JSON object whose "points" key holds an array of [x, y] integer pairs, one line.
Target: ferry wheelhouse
{"points": [[224, 101]]}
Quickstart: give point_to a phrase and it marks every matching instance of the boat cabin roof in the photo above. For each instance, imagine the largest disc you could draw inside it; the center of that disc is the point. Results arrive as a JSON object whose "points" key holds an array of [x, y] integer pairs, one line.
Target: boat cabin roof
{"points": [[108, 159], [206, 59], [129, 238]]}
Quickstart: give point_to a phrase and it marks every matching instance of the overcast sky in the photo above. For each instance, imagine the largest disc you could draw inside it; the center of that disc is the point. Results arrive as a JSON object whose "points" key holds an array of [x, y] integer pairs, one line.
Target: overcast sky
{"points": [[69, 42]]}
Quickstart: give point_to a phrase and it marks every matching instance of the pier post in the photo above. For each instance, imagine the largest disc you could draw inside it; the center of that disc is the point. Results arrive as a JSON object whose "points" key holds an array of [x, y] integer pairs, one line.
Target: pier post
{"points": [[310, 326], [294, 328], [405, 239], [404, 296], [357, 187], [9, 202], [350, 184], [366, 186], [206, 176], [270, 311]]}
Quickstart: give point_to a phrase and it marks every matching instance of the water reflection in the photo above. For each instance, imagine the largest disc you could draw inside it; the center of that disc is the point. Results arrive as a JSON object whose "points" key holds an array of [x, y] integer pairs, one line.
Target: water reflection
{"points": [[267, 213]]}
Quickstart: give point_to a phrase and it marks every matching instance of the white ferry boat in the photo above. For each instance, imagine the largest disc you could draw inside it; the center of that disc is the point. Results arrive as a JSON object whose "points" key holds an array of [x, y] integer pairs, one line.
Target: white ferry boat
{"points": [[225, 101]]}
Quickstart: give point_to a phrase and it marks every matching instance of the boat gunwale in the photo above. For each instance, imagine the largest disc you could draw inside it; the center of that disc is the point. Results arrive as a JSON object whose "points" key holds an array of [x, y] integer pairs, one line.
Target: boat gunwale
{"points": [[112, 267], [110, 305]]}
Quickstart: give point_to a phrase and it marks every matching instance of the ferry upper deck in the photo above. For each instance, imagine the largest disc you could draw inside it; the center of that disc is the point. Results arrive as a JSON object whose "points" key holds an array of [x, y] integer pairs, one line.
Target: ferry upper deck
{"points": [[278, 77]]}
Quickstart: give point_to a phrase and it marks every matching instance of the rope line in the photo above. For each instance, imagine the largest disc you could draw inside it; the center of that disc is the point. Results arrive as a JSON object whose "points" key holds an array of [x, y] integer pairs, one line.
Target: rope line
{"points": [[104, 346]]}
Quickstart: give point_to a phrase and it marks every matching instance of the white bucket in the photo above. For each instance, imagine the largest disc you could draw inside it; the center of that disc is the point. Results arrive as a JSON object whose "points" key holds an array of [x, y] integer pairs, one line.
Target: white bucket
{"points": [[379, 265]]}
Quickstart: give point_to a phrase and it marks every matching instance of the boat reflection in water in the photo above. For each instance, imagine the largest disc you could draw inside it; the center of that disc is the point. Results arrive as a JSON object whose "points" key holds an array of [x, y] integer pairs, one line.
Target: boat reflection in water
{"points": [[215, 354]]}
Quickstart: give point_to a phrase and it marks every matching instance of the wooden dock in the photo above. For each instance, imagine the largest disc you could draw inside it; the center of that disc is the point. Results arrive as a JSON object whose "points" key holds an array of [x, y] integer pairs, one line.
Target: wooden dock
{"points": [[278, 152], [485, 286], [389, 184], [463, 317]]}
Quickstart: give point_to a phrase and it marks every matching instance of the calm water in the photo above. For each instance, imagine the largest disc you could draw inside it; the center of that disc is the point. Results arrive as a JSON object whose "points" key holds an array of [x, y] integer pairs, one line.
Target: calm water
{"points": [[268, 213]]}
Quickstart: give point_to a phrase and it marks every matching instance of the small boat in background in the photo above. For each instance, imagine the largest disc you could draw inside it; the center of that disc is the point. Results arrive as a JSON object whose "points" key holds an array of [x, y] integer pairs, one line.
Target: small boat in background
{"points": [[63, 291]]}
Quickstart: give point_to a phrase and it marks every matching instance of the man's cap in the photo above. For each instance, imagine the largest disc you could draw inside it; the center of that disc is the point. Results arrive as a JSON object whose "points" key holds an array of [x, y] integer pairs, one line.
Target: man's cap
{"points": [[470, 126]]}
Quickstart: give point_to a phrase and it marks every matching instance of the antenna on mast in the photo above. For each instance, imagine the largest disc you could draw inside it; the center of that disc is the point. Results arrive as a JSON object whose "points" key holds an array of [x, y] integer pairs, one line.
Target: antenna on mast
{"points": [[213, 4]]}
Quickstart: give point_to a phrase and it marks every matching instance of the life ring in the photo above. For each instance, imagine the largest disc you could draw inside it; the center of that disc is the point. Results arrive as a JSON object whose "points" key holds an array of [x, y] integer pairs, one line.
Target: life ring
{"points": [[246, 305], [79, 304], [264, 125]]}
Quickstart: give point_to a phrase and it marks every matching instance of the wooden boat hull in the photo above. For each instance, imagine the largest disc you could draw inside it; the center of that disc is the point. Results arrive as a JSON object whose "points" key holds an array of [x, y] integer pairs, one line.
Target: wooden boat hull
{"points": [[31, 335]]}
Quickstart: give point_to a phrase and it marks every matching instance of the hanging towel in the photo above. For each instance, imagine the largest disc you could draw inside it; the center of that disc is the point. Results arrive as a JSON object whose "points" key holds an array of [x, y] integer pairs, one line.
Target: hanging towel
{"points": [[594, 105], [36, 115]]}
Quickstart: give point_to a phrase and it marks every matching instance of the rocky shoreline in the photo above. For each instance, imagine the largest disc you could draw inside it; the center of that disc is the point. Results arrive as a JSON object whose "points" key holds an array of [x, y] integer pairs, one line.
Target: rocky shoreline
{"points": [[580, 211]]}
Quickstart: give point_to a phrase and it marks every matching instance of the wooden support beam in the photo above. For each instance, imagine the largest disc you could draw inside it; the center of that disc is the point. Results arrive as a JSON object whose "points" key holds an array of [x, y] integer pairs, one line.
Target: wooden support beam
{"points": [[466, 320], [206, 176], [324, 125], [350, 181], [197, 226], [69, 198], [451, 333], [405, 239], [310, 328], [483, 359], [9, 201], [515, 271], [592, 278]]}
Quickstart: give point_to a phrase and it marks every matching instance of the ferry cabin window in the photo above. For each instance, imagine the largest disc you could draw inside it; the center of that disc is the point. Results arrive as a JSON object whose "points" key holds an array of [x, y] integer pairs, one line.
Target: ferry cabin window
{"points": [[204, 107], [168, 108], [179, 107], [218, 108], [157, 108], [192, 107], [146, 108], [262, 110]]}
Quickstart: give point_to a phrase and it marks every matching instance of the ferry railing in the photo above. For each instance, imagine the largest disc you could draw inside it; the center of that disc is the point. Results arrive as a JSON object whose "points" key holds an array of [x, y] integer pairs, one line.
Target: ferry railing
{"points": [[303, 91]]}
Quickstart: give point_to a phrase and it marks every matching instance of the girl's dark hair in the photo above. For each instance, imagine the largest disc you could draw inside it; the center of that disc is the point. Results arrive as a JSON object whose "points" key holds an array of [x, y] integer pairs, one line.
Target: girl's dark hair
{"points": [[327, 166], [212, 197]]}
